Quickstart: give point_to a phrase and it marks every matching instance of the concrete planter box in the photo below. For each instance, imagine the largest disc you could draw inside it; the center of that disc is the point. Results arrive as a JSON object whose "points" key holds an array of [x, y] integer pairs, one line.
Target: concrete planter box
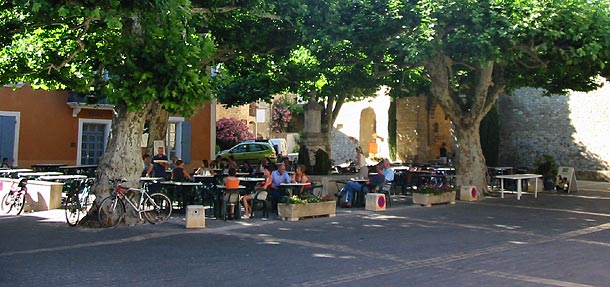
{"points": [[292, 212], [427, 199]]}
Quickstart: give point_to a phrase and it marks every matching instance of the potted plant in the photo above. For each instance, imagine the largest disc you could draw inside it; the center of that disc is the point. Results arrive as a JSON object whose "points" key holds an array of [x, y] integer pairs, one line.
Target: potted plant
{"points": [[547, 167], [296, 207], [432, 194]]}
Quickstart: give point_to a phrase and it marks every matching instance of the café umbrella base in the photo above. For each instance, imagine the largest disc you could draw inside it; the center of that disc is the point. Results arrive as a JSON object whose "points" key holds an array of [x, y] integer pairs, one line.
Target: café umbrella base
{"points": [[294, 212], [428, 199]]}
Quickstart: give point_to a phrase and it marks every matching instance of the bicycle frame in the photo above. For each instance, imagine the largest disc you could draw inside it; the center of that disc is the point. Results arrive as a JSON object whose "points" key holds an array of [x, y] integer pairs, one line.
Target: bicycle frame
{"points": [[121, 193]]}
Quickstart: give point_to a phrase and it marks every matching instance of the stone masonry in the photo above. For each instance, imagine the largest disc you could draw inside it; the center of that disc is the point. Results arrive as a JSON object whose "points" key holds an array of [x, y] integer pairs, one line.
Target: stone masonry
{"points": [[572, 128]]}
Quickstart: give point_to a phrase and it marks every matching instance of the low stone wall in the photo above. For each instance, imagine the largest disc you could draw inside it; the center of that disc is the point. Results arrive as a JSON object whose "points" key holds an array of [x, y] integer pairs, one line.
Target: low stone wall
{"points": [[330, 182], [594, 175]]}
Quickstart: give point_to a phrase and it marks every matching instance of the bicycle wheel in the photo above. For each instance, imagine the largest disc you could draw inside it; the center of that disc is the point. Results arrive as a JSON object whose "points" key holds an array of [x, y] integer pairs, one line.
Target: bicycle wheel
{"points": [[72, 210], [7, 203], [19, 202], [157, 208], [111, 211]]}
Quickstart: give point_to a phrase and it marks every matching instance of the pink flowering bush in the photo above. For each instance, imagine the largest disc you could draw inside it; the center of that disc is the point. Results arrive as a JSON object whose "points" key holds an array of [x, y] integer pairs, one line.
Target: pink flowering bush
{"points": [[280, 117], [230, 131]]}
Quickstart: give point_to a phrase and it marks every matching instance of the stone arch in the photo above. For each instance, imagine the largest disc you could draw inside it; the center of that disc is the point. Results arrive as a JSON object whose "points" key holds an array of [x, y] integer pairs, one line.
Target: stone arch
{"points": [[368, 128]]}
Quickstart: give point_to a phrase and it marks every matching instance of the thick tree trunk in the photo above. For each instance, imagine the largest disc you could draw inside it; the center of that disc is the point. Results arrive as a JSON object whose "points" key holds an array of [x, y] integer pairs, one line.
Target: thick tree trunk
{"points": [[471, 168], [158, 120], [122, 158]]}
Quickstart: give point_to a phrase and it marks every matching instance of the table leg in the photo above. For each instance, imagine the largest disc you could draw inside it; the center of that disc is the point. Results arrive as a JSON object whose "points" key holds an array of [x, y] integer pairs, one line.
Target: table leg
{"points": [[502, 187], [536, 188], [519, 189]]}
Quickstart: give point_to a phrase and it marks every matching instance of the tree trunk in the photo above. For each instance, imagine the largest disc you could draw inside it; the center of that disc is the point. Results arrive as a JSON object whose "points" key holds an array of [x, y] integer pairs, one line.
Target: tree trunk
{"points": [[122, 158], [158, 120], [471, 168]]}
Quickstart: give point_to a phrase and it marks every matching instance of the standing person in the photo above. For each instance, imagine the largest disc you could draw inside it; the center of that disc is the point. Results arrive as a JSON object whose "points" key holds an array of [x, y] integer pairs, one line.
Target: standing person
{"points": [[443, 154], [259, 193], [158, 168]]}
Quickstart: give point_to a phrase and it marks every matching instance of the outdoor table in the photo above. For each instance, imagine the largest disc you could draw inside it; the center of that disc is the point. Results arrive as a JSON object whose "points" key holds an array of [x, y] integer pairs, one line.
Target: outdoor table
{"points": [[62, 177], [250, 182], [38, 174], [289, 186], [8, 172], [88, 170], [42, 167], [183, 189], [519, 178], [70, 181]]}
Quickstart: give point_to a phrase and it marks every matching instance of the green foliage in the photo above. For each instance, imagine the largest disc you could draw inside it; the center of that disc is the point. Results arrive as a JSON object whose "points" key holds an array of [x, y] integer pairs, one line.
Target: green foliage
{"points": [[433, 189], [323, 163], [131, 53], [305, 198], [546, 166]]}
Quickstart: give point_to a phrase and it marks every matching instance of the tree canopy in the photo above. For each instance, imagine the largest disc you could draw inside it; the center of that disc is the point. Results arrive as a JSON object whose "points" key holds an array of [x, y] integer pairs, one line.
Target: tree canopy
{"points": [[130, 52]]}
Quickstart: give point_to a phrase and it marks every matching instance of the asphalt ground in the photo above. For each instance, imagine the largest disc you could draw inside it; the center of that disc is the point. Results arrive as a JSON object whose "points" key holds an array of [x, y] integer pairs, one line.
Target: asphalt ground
{"points": [[557, 239]]}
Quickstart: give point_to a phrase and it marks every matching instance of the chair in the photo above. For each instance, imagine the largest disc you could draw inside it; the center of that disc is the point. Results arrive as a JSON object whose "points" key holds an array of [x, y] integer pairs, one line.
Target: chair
{"points": [[385, 189], [231, 198], [261, 198]]}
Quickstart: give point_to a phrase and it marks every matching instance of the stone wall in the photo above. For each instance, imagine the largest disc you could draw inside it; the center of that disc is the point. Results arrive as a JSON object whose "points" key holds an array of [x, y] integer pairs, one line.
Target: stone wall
{"points": [[572, 128], [343, 147]]}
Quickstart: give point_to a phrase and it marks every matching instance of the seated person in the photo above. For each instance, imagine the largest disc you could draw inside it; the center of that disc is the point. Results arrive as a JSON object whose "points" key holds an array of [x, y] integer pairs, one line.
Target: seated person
{"points": [[373, 183], [262, 166], [259, 193], [178, 173], [300, 176], [278, 177], [204, 169], [231, 183], [247, 168], [388, 171]]}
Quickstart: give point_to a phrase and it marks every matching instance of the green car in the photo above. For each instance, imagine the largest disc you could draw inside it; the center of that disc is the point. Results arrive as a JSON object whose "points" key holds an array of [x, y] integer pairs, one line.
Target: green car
{"points": [[250, 151]]}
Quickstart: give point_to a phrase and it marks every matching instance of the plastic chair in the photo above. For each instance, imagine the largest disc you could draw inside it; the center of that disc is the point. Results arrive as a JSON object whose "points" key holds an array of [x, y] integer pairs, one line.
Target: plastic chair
{"points": [[231, 198], [260, 198]]}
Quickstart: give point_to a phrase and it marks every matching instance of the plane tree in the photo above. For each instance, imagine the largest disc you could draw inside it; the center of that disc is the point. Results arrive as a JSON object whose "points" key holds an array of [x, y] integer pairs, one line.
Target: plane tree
{"points": [[473, 51], [133, 53]]}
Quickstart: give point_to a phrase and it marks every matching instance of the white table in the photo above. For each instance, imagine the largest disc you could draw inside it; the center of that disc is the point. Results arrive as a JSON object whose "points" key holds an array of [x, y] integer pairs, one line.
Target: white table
{"points": [[519, 178], [38, 174], [9, 171], [62, 177]]}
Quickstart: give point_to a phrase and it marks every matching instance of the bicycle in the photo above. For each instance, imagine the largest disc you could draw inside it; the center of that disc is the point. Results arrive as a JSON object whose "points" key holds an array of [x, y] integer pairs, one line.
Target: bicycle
{"points": [[14, 200], [156, 207], [78, 201]]}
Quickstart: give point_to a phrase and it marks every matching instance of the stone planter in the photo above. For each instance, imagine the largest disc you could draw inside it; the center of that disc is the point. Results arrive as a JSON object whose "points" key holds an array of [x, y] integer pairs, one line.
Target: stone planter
{"points": [[292, 212], [427, 199]]}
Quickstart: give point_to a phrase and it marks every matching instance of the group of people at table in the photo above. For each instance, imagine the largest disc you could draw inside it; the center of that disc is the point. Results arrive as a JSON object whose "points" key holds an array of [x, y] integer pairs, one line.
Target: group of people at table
{"points": [[274, 176]]}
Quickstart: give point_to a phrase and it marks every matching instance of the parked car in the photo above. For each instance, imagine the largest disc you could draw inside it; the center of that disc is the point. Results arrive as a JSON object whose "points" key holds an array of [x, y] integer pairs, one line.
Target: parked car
{"points": [[279, 144], [253, 151]]}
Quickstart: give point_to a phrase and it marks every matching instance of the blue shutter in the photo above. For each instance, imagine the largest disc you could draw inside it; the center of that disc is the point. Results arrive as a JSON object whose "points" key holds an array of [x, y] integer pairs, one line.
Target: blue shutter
{"points": [[185, 144], [7, 137]]}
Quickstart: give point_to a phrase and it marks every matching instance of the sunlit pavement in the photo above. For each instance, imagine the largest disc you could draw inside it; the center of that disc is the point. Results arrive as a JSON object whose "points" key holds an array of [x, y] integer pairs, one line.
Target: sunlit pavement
{"points": [[557, 239]]}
